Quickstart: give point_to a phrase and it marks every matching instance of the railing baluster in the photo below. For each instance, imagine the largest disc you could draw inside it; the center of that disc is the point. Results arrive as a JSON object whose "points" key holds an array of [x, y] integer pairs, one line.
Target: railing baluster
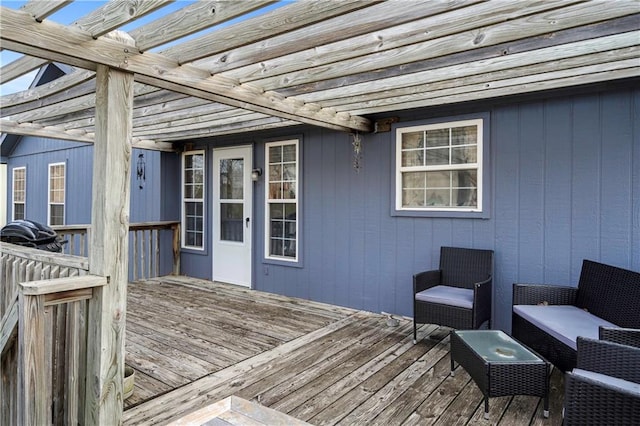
{"points": [[156, 239], [135, 255]]}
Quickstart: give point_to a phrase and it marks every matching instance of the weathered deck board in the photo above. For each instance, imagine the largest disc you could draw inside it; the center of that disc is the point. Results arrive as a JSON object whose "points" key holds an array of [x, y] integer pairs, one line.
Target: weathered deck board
{"points": [[325, 365]]}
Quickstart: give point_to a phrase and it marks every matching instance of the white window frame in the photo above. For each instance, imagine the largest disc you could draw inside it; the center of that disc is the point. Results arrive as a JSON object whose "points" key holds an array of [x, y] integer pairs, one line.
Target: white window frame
{"points": [[64, 193], [269, 201], [193, 200], [13, 192], [478, 166]]}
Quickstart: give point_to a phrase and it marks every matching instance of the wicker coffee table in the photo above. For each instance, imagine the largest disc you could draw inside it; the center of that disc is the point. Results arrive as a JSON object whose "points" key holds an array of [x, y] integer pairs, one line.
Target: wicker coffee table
{"points": [[500, 365]]}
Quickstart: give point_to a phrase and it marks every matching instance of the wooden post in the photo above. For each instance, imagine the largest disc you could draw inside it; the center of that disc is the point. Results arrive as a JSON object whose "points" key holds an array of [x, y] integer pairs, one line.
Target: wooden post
{"points": [[176, 248], [34, 406], [108, 250]]}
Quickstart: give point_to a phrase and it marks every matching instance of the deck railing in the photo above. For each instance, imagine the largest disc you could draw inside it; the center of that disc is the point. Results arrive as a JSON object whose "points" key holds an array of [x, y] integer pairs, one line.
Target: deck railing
{"points": [[43, 335], [149, 245], [44, 319]]}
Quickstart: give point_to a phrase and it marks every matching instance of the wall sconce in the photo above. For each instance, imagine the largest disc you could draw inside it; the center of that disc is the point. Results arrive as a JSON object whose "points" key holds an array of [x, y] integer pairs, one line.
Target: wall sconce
{"points": [[255, 174], [141, 173]]}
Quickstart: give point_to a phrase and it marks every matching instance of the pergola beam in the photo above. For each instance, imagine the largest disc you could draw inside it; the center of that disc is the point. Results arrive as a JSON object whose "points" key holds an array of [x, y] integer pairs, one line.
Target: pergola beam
{"points": [[53, 132], [190, 19], [41, 9], [57, 42]]}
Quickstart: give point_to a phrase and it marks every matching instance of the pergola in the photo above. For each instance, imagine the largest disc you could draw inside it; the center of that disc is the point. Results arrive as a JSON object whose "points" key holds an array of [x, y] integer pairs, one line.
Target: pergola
{"points": [[323, 63]]}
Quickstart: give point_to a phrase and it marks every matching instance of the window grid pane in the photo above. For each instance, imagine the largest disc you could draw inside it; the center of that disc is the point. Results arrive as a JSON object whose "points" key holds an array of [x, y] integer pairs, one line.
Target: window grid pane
{"points": [[282, 200], [56, 194], [193, 202], [19, 185], [439, 167], [18, 211]]}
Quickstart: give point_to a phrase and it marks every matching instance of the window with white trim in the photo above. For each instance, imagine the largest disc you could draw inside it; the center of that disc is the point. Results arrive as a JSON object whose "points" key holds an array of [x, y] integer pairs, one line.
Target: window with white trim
{"points": [[282, 200], [193, 174], [56, 194], [19, 192], [439, 167]]}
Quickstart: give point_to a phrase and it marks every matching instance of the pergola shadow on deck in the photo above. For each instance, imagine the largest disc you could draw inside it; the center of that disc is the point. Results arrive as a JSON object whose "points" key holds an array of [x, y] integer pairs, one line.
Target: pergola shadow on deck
{"points": [[194, 342]]}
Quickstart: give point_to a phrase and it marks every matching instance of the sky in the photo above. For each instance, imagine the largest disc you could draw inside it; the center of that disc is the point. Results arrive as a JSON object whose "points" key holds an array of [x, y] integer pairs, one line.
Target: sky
{"points": [[78, 9]]}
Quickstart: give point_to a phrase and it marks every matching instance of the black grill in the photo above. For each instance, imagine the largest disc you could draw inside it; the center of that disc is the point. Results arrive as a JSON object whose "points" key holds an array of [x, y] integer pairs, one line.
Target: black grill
{"points": [[29, 233]]}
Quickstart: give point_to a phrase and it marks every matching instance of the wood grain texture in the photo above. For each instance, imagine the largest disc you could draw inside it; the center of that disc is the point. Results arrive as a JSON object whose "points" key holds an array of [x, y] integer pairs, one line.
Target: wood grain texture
{"points": [[108, 251], [20, 67], [190, 19], [33, 364], [112, 15], [354, 369], [159, 71], [41, 9], [321, 63]]}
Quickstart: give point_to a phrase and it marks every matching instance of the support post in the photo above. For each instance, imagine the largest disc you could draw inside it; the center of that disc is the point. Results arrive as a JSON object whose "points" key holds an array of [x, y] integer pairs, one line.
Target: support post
{"points": [[108, 250], [33, 406]]}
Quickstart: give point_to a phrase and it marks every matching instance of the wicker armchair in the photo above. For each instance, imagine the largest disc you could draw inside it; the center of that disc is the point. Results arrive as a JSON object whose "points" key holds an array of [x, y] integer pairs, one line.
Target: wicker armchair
{"points": [[458, 294], [604, 388]]}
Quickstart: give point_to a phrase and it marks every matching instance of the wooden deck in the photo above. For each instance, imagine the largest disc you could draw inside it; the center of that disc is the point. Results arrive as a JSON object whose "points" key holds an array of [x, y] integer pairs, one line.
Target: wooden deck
{"points": [[193, 342]]}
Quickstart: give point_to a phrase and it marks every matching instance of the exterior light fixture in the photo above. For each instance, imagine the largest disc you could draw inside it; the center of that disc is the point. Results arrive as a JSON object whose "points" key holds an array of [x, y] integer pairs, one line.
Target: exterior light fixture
{"points": [[141, 173], [255, 174]]}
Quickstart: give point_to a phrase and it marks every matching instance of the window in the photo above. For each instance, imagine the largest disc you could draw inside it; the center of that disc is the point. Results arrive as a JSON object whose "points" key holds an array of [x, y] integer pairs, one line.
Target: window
{"points": [[19, 192], [439, 167], [56, 193], [282, 200], [193, 200]]}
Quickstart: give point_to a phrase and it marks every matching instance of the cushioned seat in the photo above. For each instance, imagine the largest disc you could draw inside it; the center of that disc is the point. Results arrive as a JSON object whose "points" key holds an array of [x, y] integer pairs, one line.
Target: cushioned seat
{"points": [[454, 296], [563, 322], [612, 382]]}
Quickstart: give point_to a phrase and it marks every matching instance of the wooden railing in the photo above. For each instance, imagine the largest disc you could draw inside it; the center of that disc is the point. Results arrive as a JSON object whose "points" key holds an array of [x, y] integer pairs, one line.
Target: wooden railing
{"points": [[43, 335], [45, 320], [149, 245]]}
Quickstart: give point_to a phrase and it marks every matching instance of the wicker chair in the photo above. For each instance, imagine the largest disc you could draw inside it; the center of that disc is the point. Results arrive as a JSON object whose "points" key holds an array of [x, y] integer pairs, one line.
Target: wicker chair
{"points": [[604, 388], [458, 294]]}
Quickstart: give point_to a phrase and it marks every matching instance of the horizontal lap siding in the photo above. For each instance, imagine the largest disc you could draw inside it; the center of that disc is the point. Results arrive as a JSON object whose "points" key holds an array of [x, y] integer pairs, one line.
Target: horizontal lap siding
{"points": [[564, 187]]}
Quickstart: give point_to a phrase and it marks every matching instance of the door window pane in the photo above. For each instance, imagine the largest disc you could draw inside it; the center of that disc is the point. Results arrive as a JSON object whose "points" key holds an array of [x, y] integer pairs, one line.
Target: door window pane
{"points": [[232, 222], [231, 179]]}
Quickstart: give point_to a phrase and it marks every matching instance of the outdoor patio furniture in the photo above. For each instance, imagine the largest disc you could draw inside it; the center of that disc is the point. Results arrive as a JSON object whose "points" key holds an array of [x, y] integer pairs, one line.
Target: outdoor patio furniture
{"points": [[500, 365], [549, 318], [604, 388], [456, 295]]}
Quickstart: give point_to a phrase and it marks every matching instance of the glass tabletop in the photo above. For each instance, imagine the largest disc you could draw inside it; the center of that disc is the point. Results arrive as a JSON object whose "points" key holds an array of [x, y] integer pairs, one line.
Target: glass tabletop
{"points": [[496, 345]]}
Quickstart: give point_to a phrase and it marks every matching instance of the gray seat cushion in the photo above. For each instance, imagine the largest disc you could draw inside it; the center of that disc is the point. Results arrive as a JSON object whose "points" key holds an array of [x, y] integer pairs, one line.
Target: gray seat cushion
{"points": [[446, 295], [609, 381], [563, 322]]}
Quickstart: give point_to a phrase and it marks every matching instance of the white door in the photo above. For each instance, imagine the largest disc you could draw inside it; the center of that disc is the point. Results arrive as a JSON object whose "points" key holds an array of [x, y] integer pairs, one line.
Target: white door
{"points": [[232, 215]]}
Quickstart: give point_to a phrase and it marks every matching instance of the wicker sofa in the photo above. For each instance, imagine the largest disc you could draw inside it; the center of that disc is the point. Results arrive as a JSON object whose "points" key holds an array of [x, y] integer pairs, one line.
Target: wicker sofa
{"points": [[549, 318]]}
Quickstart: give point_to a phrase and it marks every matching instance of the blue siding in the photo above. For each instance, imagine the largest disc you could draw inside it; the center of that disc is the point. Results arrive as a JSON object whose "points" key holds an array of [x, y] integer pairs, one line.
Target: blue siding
{"points": [[150, 203], [564, 187], [37, 153]]}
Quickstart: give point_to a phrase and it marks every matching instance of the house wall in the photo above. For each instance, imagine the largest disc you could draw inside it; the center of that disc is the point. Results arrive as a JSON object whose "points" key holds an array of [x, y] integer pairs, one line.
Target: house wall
{"points": [[3, 194], [151, 198], [565, 186], [147, 203]]}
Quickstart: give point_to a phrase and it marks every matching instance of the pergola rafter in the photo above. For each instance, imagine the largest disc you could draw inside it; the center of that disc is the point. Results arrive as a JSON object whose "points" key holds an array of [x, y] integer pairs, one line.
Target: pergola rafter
{"points": [[328, 64]]}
